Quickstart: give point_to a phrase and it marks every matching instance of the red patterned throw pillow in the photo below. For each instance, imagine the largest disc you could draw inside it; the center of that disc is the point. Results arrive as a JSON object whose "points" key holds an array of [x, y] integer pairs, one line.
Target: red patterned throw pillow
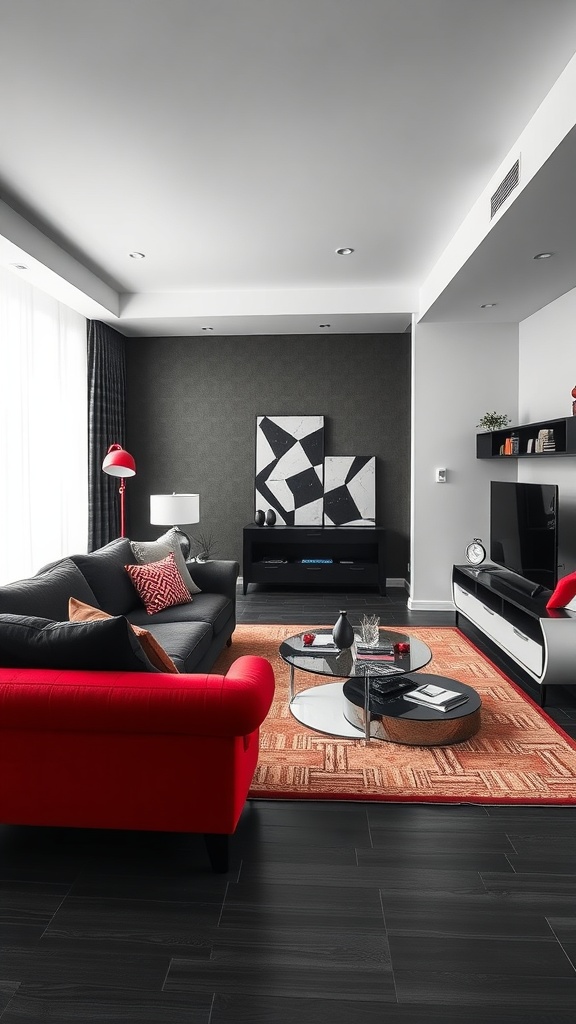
{"points": [[159, 584]]}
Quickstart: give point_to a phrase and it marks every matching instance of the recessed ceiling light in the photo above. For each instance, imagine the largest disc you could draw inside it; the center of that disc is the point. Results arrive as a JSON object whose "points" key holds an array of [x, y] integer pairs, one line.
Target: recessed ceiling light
{"points": [[345, 251], [19, 266], [207, 328], [488, 305], [543, 256], [137, 255], [324, 325]]}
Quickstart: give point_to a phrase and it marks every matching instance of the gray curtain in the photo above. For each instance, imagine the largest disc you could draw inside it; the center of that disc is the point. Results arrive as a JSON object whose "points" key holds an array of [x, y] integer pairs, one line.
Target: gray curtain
{"points": [[106, 426]]}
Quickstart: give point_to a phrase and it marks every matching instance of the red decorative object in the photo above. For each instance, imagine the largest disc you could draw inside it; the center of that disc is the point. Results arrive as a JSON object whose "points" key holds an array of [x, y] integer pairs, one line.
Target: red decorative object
{"points": [[574, 401], [159, 584], [564, 592], [402, 648], [119, 462], [308, 639]]}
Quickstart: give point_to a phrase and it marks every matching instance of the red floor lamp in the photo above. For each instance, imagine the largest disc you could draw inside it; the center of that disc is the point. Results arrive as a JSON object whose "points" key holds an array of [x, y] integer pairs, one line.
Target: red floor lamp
{"points": [[120, 463]]}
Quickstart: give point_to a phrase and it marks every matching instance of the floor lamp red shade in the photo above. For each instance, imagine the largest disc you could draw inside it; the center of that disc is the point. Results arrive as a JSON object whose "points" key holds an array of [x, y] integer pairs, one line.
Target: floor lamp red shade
{"points": [[119, 462]]}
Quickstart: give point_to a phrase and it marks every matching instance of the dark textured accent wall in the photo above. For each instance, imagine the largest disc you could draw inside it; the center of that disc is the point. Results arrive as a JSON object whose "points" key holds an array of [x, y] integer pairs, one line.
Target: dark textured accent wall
{"points": [[192, 407]]}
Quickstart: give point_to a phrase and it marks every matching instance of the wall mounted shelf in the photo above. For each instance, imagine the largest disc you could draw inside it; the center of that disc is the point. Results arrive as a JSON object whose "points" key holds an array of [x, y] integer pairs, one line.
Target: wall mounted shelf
{"points": [[490, 444]]}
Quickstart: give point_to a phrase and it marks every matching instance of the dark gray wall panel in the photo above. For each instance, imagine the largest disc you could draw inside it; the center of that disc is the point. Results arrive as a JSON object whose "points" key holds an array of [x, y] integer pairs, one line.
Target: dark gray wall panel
{"points": [[192, 407]]}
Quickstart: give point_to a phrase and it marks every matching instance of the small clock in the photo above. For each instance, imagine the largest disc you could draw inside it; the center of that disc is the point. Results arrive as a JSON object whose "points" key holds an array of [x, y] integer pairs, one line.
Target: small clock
{"points": [[476, 552]]}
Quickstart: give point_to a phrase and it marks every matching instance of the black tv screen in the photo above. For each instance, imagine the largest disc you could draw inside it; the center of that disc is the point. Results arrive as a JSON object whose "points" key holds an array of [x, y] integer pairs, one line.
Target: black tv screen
{"points": [[524, 530]]}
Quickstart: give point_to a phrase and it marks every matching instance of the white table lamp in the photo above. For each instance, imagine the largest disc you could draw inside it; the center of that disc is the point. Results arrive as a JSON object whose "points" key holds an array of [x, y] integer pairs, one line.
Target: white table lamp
{"points": [[173, 510]]}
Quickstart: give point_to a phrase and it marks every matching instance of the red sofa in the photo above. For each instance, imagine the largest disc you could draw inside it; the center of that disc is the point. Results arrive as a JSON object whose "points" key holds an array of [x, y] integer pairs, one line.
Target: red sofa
{"points": [[132, 750]]}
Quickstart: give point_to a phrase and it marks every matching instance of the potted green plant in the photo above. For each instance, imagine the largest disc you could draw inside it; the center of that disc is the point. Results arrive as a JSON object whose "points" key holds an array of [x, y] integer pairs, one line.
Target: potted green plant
{"points": [[494, 421]]}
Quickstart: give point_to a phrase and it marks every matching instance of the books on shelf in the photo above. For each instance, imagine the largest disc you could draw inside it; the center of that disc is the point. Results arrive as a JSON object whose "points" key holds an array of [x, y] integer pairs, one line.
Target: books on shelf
{"points": [[432, 696], [545, 441]]}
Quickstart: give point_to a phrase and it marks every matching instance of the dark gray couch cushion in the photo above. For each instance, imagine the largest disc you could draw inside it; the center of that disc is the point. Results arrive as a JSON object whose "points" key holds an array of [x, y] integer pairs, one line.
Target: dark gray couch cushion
{"points": [[185, 642], [105, 572], [48, 593], [107, 645], [211, 608]]}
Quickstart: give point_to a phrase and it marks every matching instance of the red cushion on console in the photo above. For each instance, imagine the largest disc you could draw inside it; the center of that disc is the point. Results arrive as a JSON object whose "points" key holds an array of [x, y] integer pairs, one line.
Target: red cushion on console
{"points": [[159, 584], [564, 592]]}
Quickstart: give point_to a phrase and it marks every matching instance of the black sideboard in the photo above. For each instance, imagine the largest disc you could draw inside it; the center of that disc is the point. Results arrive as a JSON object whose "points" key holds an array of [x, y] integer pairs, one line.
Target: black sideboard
{"points": [[277, 555]]}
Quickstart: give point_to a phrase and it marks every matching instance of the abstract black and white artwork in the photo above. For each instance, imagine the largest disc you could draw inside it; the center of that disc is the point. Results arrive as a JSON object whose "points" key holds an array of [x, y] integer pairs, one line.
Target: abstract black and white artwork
{"points": [[290, 468], [350, 490]]}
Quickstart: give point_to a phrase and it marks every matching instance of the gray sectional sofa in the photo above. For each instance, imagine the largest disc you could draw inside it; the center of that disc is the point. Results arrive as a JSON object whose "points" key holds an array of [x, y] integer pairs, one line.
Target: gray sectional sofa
{"points": [[192, 634]]}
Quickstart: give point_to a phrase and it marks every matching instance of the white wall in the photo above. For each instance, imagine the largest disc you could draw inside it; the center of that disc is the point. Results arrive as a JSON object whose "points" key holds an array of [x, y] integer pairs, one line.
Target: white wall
{"points": [[459, 372], [547, 374]]}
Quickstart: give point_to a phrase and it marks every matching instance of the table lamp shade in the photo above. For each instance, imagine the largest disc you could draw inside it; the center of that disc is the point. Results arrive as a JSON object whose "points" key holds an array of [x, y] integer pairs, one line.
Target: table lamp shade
{"points": [[174, 509]]}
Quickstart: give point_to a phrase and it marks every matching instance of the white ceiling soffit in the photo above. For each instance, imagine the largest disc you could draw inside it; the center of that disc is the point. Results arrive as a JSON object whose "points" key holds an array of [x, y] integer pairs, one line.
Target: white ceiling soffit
{"points": [[239, 143], [490, 260], [502, 271]]}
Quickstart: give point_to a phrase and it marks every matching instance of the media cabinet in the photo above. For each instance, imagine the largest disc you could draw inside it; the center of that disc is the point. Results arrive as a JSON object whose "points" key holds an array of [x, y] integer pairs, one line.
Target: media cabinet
{"points": [[540, 643], [274, 554]]}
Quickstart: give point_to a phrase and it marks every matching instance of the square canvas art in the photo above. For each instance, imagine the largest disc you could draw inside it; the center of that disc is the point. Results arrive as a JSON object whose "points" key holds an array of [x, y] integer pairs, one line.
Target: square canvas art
{"points": [[290, 468], [350, 490]]}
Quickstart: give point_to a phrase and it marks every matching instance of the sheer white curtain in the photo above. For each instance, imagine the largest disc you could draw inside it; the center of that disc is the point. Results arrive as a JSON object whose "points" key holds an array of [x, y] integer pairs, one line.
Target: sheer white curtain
{"points": [[43, 429]]}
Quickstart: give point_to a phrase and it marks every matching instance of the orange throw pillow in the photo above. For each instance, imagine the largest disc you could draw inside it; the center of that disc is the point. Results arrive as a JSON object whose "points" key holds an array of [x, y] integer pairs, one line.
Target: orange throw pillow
{"points": [[80, 612]]}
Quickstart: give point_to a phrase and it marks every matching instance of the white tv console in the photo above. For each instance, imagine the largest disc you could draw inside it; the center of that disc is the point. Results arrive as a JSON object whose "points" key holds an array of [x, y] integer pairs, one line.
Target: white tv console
{"points": [[540, 643]]}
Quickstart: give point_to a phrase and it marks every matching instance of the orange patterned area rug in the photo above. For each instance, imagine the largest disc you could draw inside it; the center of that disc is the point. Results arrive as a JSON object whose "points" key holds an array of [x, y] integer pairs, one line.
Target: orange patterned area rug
{"points": [[518, 756]]}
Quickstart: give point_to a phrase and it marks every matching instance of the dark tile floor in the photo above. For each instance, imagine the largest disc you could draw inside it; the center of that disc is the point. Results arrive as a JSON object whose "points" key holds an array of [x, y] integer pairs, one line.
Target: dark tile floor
{"points": [[348, 913]]}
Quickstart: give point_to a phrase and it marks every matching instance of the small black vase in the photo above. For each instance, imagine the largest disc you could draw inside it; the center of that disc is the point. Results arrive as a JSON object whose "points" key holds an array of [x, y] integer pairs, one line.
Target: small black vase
{"points": [[259, 518], [270, 517], [343, 633]]}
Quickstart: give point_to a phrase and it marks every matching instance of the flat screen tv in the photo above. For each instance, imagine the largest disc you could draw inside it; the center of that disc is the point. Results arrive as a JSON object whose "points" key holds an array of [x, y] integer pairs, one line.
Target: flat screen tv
{"points": [[524, 530]]}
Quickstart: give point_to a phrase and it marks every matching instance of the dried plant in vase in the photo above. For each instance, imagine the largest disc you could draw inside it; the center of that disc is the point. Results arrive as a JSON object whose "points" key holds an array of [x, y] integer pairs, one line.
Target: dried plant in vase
{"points": [[205, 543]]}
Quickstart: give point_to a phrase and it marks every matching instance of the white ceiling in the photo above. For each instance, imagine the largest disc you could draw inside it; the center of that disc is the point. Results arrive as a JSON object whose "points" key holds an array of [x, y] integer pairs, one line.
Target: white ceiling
{"points": [[238, 143]]}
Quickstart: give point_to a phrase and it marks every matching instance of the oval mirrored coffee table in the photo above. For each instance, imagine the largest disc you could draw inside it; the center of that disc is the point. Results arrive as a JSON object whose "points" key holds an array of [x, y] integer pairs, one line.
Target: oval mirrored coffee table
{"points": [[370, 702]]}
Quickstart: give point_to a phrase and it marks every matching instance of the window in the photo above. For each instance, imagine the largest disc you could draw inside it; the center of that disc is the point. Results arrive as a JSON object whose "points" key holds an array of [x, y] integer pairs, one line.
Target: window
{"points": [[43, 430]]}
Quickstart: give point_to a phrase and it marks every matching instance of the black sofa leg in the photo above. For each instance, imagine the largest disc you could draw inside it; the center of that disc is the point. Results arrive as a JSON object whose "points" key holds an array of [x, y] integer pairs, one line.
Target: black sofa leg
{"points": [[217, 848]]}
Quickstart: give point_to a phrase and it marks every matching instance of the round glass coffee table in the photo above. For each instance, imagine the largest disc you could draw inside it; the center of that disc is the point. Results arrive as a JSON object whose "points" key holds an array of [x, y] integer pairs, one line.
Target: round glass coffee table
{"points": [[370, 702]]}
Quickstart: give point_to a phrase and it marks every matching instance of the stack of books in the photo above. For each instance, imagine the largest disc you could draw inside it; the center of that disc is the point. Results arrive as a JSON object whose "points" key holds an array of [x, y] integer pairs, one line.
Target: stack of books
{"points": [[321, 642], [432, 696], [382, 647], [545, 441]]}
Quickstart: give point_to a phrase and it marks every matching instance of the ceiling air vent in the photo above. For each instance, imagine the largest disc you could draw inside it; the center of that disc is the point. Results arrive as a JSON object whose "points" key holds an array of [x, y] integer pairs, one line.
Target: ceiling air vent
{"points": [[506, 186]]}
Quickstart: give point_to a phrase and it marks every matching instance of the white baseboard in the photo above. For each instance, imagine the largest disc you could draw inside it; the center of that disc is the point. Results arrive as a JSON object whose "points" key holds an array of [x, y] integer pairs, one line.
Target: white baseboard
{"points": [[430, 606]]}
